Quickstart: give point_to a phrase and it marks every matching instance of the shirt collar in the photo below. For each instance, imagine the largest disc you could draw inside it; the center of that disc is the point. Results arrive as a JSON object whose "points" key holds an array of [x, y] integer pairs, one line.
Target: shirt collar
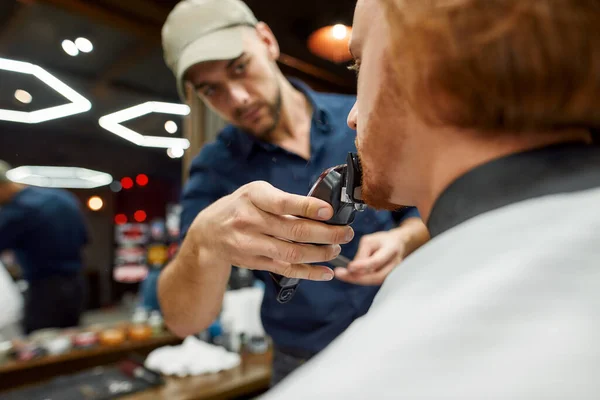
{"points": [[562, 168], [246, 142], [321, 115]]}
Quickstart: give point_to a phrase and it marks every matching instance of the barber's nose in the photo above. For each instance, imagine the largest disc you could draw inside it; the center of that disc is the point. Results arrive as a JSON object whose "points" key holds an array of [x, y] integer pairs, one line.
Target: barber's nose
{"points": [[353, 116], [239, 95]]}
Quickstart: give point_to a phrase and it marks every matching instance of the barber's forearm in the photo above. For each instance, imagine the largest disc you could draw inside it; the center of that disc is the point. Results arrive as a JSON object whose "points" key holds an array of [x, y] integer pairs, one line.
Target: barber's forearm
{"points": [[191, 290], [414, 233]]}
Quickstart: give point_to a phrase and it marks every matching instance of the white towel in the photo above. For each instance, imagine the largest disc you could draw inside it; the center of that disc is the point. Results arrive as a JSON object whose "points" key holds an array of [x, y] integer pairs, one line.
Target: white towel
{"points": [[192, 357]]}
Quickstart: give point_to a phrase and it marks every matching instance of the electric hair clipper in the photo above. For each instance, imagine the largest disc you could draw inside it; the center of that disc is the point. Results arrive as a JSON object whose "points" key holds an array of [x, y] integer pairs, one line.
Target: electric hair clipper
{"points": [[340, 186]]}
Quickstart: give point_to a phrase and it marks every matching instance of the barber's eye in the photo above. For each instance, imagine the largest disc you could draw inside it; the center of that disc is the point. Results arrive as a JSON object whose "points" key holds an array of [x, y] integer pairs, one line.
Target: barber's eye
{"points": [[208, 92], [240, 68]]}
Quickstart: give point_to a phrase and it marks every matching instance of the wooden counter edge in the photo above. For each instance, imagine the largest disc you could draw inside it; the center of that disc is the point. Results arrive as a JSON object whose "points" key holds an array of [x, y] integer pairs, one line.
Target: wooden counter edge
{"points": [[97, 350]]}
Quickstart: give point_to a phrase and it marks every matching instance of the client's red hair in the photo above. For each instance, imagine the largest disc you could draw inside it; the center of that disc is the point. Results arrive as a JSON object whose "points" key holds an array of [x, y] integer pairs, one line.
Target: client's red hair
{"points": [[498, 65]]}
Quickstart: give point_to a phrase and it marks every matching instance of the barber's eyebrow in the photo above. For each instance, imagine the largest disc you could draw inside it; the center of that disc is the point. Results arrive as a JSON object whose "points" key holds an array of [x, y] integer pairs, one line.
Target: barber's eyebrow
{"points": [[202, 84], [231, 62]]}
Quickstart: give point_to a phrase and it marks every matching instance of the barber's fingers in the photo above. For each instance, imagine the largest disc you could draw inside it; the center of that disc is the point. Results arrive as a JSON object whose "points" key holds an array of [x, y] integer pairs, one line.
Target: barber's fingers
{"points": [[243, 246], [366, 247], [304, 230], [373, 262], [273, 212], [366, 279], [298, 271], [272, 200], [246, 223]]}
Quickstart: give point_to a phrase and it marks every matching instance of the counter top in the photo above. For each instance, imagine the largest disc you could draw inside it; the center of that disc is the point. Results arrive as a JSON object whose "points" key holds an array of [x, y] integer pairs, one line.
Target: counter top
{"points": [[16, 373], [252, 376]]}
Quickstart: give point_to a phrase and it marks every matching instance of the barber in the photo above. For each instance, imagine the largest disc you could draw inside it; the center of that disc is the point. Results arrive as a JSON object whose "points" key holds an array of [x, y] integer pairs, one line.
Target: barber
{"points": [[247, 191]]}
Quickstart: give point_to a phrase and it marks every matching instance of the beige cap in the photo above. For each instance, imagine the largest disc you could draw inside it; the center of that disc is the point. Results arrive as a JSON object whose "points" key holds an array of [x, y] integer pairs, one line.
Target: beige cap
{"points": [[203, 30]]}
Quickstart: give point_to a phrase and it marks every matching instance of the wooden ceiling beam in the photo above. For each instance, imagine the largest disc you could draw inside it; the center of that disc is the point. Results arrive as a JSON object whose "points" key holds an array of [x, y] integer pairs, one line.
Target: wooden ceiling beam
{"points": [[311, 70]]}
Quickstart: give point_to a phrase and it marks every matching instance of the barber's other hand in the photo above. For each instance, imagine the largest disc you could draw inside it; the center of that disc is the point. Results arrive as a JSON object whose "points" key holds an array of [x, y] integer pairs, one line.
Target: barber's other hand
{"points": [[378, 253], [258, 227]]}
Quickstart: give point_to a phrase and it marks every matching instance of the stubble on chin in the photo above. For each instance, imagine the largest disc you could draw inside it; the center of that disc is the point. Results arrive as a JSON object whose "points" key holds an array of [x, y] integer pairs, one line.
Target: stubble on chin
{"points": [[380, 144]]}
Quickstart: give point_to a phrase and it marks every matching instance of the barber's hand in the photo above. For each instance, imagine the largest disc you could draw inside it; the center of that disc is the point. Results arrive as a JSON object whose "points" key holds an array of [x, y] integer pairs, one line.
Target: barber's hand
{"points": [[378, 253], [258, 227]]}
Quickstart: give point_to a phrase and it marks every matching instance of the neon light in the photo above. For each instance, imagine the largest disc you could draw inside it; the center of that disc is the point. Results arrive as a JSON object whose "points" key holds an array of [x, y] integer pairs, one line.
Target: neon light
{"points": [[78, 104], [112, 123]]}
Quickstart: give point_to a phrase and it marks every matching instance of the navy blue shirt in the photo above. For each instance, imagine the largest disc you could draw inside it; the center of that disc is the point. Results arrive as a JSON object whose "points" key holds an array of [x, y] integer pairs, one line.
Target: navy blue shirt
{"points": [[46, 229], [319, 311]]}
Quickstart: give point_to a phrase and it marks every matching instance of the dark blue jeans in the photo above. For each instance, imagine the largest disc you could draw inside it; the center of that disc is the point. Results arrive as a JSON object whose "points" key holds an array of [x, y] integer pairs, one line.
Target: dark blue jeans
{"points": [[54, 302]]}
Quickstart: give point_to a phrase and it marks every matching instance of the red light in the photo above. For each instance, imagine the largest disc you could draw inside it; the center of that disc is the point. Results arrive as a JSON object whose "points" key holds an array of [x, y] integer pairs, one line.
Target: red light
{"points": [[140, 216], [127, 183], [141, 179], [120, 219]]}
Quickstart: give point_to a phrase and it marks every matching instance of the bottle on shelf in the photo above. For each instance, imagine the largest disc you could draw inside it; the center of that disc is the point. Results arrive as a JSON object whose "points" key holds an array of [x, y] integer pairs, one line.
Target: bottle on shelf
{"points": [[156, 322]]}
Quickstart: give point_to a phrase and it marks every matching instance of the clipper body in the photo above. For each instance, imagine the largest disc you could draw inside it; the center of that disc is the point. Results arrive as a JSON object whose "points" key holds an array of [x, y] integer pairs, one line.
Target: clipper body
{"points": [[340, 186]]}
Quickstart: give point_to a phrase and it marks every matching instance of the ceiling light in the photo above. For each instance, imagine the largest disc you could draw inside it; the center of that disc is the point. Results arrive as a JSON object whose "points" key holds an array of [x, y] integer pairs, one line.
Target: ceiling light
{"points": [[331, 43], [95, 203], [59, 177], [23, 96], [112, 123], [84, 45], [175, 152], [78, 103], [70, 48], [171, 127], [338, 31]]}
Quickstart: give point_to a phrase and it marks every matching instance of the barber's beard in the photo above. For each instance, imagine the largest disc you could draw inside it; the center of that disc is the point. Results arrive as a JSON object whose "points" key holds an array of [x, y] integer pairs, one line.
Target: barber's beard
{"points": [[273, 116], [380, 146]]}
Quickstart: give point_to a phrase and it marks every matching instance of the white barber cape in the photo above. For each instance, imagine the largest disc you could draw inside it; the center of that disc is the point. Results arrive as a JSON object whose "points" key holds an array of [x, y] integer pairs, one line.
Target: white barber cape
{"points": [[503, 306]]}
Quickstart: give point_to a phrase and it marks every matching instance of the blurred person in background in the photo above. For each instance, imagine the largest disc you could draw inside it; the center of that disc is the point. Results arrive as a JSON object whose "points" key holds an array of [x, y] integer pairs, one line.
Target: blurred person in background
{"points": [[479, 112], [244, 187], [46, 230]]}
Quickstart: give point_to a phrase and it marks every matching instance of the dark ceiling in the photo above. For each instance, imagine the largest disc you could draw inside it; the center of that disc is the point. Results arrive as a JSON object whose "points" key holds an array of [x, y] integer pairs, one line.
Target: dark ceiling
{"points": [[125, 69]]}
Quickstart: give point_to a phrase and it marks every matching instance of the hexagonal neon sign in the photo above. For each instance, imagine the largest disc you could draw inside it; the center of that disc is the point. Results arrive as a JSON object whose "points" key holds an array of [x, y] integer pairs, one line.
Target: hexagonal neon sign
{"points": [[112, 123], [78, 104]]}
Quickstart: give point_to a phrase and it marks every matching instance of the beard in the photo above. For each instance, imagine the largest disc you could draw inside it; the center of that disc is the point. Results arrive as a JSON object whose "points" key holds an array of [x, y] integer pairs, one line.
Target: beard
{"points": [[381, 143], [376, 188], [273, 116]]}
